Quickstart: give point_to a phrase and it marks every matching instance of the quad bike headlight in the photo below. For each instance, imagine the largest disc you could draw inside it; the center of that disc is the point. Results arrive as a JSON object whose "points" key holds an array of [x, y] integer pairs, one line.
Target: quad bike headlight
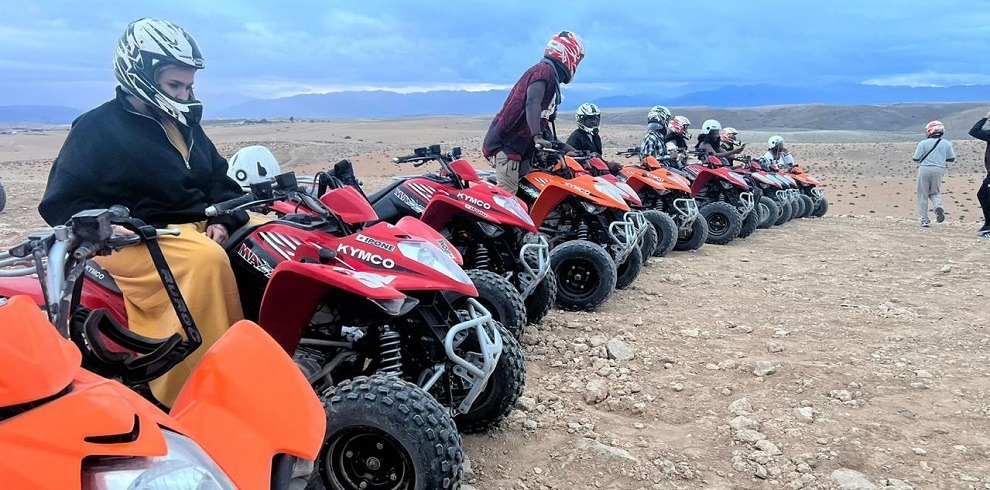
{"points": [[430, 255], [610, 190], [512, 205], [185, 467]]}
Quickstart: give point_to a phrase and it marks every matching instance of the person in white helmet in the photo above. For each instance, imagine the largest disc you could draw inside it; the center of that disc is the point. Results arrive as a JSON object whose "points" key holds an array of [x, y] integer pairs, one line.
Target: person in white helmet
{"points": [[146, 150], [586, 137], [710, 139], [777, 154], [932, 154]]}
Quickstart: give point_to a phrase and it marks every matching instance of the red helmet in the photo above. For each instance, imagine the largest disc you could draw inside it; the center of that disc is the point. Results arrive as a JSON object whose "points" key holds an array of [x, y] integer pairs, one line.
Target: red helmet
{"points": [[729, 135], [567, 48], [679, 125], [934, 127]]}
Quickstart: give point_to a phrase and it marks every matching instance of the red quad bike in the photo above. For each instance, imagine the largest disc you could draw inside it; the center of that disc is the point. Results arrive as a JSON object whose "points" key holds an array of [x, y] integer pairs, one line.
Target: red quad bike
{"points": [[505, 256], [669, 193], [339, 304], [724, 198], [797, 206], [576, 210], [774, 203], [71, 415]]}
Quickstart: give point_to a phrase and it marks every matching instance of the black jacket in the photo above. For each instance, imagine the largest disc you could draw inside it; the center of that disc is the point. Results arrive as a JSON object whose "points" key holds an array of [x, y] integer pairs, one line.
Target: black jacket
{"points": [[582, 140], [982, 134], [115, 155]]}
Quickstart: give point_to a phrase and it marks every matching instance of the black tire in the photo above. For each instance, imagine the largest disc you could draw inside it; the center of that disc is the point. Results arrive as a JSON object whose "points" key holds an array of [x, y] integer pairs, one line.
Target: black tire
{"points": [[3, 198], [797, 208], [821, 209], [772, 212], [809, 206], [629, 270], [724, 222], [648, 245], [541, 300], [503, 390], [750, 223], [786, 209], [585, 275], [421, 444], [666, 230], [501, 298], [694, 239]]}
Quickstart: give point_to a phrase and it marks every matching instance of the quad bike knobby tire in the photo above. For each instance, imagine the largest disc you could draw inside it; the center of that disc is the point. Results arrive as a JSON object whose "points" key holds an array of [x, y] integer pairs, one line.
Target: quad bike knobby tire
{"points": [[821, 209], [694, 239], [724, 222], [501, 298], [648, 245], [769, 212], [750, 223], [809, 206], [585, 275], [500, 395], [786, 210], [383, 432], [541, 300], [666, 230], [629, 270]]}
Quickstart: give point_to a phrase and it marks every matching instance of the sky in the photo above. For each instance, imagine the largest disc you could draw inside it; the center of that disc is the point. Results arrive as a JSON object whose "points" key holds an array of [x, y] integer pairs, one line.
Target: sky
{"points": [[59, 52]]}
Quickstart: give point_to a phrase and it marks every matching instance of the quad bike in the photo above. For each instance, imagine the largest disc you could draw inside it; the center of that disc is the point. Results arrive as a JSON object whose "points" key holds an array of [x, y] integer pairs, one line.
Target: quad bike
{"points": [[334, 303], [810, 191], [771, 197], [798, 206], [669, 193], [659, 231], [724, 198], [576, 211], [505, 256], [72, 414]]}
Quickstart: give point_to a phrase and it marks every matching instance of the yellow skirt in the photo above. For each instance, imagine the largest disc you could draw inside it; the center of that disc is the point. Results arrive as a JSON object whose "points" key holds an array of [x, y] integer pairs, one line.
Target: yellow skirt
{"points": [[206, 281]]}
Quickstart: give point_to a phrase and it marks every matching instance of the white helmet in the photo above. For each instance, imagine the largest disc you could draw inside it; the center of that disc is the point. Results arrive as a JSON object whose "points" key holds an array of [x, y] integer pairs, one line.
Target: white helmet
{"points": [[774, 142], [588, 117], [253, 164], [711, 125], [658, 114], [148, 45]]}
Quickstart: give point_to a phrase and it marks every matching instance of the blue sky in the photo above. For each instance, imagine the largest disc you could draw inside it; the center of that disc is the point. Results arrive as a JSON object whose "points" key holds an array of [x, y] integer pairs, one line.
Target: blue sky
{"points": [[58, 52]]}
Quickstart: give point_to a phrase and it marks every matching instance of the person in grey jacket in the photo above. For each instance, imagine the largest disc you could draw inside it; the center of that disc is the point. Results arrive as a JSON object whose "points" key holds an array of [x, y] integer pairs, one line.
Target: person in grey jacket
{"points": [[932, 154]]}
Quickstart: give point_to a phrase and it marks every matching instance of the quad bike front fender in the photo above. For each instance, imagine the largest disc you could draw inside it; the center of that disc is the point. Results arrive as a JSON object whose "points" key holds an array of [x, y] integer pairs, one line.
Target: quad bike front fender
{"points": [[247, 402], [296, 289]]}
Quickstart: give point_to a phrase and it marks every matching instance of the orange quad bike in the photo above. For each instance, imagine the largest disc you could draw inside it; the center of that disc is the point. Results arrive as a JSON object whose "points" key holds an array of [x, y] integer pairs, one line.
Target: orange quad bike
{"points": [[666, 191], [811, 190], [575, 210], [246, 417]]}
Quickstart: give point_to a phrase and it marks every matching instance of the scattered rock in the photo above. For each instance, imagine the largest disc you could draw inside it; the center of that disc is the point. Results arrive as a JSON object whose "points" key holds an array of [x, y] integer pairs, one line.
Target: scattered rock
{"points": [[595, 391], [749, 435], [728, 364], [906, 413], [761, 472], [946, 269], [895, 484], [610, 451], [841, 395], [466, 466], [805, 415], [921, 373], [526, 403], [774, 347], [768, 447], [743, 422], [619, 351], [764, 368], [919, 451], [740, 407], [691, 332], [852, 480]]}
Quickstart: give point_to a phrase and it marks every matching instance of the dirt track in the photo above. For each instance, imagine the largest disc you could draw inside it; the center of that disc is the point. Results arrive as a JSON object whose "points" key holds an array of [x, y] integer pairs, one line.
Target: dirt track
{"points": [[876, 325]]}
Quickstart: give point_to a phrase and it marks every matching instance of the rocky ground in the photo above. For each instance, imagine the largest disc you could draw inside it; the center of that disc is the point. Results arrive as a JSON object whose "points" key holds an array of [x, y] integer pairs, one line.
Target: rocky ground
{"points": [[844, 352]]}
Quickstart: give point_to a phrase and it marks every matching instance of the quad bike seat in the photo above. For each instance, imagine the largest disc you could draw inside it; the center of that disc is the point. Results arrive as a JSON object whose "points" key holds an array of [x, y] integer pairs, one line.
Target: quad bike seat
{"points": [[377, 196]]}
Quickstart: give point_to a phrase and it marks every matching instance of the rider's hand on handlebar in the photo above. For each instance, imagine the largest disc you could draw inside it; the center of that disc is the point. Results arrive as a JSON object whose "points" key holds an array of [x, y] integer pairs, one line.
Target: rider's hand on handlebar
{"points": [[542, 143], [217, 232], [121, 231]]}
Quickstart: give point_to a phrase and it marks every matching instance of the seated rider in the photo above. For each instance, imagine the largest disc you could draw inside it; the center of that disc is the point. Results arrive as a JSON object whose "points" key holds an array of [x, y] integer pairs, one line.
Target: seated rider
{"points": [[677, 139], [656, 130], [586, 138], [729, 142], [709, 142], [777, 155]]}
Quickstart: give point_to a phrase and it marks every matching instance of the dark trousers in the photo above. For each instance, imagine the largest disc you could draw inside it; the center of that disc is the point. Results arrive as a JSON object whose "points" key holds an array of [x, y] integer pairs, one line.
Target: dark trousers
{"points": [[984, 196]]}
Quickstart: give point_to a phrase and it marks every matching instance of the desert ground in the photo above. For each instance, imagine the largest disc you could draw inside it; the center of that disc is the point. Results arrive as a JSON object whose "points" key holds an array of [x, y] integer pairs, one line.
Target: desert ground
{"points": [[844, 352]]}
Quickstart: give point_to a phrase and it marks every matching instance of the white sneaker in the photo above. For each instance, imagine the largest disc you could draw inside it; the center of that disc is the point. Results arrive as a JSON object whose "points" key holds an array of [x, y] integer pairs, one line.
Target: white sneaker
{"points": [[926, 224]]}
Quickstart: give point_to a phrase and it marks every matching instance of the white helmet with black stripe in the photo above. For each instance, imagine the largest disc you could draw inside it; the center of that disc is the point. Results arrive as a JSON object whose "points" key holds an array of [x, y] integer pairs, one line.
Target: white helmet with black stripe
{"points": [[147, 46], [253, 164], [588, 117]]}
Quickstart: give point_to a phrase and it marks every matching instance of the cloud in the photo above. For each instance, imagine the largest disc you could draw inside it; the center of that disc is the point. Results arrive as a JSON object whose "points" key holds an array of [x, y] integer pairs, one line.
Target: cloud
{"points": [[930, 79], [267, 89]]}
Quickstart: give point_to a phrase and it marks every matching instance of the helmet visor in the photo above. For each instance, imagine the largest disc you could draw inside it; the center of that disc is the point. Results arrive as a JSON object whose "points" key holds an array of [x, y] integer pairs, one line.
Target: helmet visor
{"points": [[590, 121]]}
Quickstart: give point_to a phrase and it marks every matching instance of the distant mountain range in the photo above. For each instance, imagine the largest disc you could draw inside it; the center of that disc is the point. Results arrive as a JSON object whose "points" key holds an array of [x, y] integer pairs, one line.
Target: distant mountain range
{"points": [[384, 104]]}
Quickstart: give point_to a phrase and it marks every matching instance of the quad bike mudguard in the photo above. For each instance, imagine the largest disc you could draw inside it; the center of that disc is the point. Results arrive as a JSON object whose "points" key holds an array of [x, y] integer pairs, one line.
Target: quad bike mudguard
{"points": [[553, 190], [240, 426]]}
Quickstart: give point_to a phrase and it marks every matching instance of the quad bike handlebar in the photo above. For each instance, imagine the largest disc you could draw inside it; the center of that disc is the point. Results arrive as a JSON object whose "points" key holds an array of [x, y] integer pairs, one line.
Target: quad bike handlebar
{"points": [[429, 154]]}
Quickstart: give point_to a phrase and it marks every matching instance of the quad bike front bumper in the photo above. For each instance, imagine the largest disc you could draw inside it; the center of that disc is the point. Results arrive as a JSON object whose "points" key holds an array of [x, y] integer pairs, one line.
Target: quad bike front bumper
{"points": [[626, 234], [746, 203], [475, 368], [687, 211], [817, 194], [534, 255]]}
